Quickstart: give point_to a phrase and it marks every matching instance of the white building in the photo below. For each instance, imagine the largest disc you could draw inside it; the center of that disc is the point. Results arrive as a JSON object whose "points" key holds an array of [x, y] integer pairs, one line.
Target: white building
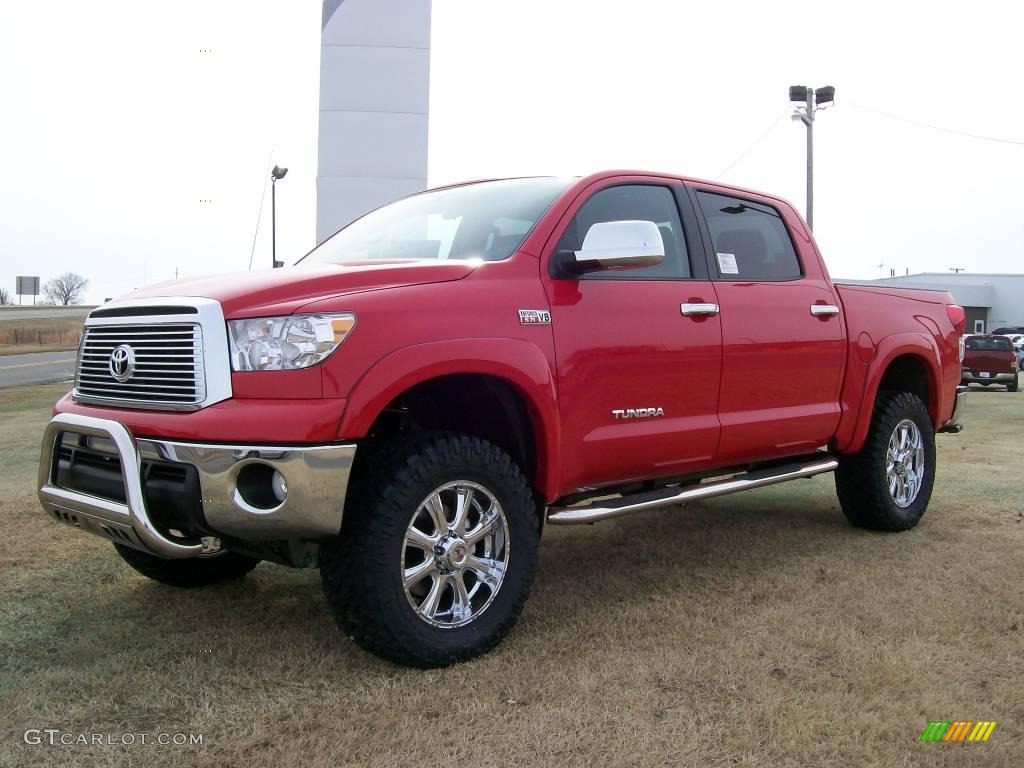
{"points": [[991, 299]]}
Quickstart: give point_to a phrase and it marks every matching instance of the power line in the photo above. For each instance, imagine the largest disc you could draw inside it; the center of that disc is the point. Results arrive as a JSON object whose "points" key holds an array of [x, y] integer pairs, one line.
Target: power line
{"points": [[757, 141], [955, 132]]}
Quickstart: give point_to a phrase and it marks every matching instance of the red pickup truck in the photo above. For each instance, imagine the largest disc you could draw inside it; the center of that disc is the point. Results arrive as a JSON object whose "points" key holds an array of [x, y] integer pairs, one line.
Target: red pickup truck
{"points": [[408, 404], [990, 359]]}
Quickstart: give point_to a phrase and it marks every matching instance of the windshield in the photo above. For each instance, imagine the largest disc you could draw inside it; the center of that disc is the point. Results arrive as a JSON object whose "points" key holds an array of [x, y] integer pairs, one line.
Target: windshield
{"points": [[981, 344], [488, 220]]}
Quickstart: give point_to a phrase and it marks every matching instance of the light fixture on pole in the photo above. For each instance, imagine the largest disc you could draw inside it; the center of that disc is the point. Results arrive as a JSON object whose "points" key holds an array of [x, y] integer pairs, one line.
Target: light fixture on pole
{"points": [[275, 174], [810, 100]]}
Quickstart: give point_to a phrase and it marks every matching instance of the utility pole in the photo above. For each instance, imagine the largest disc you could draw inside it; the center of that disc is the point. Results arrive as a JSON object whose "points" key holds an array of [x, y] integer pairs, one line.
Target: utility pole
{"points": [[810, 100]]}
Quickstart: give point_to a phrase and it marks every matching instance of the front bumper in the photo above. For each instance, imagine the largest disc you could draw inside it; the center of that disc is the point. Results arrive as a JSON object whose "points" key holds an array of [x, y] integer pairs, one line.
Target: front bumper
{"points": [[317, 481], [955, 423]]}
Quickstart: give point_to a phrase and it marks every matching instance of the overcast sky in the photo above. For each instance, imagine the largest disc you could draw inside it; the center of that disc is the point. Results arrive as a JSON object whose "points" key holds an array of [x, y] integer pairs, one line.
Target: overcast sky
{"points": [[116, 124]]}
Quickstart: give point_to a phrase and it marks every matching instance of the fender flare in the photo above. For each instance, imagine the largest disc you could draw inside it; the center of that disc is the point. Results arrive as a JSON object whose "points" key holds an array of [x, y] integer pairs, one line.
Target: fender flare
{"points": [[919, 345], [519, 363]]}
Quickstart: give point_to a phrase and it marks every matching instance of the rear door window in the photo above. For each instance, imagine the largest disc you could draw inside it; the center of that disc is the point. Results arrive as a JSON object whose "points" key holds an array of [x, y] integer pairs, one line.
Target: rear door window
{"points": [[750, 240]]}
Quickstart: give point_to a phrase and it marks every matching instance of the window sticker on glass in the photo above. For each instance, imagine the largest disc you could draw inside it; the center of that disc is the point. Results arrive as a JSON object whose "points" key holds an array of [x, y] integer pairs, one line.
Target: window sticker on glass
{"points": [[727, 263]]}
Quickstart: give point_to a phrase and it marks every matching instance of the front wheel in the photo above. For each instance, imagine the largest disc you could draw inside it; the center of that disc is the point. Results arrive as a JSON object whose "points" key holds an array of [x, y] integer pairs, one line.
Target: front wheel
{"points": [[887, 485], [437, 552]]}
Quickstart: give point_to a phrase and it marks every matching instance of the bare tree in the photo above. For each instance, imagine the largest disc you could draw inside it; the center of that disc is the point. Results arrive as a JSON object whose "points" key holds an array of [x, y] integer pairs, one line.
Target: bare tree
{"points": [[5, 297], [65, 289]]}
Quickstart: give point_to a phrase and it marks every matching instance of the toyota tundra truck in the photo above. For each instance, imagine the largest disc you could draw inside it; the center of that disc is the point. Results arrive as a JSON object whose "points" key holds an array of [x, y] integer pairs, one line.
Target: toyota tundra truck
{"points": [[406, 406]]}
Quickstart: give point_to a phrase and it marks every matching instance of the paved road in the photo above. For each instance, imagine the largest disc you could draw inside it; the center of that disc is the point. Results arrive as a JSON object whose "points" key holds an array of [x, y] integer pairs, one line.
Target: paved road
{"points": [[36, 368], [41, 312]]}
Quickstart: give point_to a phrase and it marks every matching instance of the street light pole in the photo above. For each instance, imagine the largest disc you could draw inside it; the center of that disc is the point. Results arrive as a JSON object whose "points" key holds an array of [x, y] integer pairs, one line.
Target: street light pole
{"points": [[809, 122], [811, 100], [275, 174]]}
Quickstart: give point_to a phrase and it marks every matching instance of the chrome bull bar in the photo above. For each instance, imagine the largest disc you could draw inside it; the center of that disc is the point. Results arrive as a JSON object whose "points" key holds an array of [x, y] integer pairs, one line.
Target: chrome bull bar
{"points": [[317, 484], [128, 522]]}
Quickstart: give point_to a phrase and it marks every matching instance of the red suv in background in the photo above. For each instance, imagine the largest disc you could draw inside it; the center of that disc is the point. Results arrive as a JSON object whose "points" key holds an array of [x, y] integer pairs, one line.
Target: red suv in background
{"points": [[990, 359]]}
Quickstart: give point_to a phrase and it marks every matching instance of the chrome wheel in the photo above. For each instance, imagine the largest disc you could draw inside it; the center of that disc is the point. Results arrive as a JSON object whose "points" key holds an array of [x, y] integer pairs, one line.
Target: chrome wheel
{"points": [[455, 554], [905, 463]]}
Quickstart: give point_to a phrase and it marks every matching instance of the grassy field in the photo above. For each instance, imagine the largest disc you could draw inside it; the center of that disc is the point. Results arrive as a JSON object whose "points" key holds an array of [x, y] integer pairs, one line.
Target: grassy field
{"points": [[753, 630], [39, 334]]}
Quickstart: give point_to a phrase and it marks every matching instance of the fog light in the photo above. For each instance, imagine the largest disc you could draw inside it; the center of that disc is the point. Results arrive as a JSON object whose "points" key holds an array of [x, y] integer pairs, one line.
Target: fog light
{"points": [[260, 487], [280, 486]]}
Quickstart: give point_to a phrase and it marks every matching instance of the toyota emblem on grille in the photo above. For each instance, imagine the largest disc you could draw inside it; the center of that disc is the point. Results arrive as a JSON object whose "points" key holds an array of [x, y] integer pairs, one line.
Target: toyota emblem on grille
{"points": [[122, 363]]}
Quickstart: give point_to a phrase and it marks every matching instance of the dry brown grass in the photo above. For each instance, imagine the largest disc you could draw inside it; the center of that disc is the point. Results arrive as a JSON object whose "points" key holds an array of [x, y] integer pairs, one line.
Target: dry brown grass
{"points": [[754, 630], [39, 334]]}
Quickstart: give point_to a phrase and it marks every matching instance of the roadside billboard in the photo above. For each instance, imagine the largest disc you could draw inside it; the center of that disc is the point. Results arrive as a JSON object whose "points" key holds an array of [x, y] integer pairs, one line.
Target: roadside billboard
{"points": [[28, 286]]}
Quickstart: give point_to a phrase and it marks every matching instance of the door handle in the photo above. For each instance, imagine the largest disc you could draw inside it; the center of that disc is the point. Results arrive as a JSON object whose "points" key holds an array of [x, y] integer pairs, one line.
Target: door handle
{"points": [[824, 310], [689, 310]]}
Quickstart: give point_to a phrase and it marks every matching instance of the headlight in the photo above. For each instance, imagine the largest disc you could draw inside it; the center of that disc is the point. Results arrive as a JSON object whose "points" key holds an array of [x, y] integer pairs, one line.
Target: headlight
{"points": [[286, 343]]}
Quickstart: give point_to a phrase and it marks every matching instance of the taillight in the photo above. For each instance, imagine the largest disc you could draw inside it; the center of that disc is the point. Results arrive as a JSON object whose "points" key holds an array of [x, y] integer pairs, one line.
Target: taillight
{"points": [[957, 317]]}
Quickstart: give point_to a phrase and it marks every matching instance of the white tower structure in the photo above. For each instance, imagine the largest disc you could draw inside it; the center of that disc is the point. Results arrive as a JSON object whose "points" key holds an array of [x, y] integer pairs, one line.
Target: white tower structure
{"points": [[374, 95]]}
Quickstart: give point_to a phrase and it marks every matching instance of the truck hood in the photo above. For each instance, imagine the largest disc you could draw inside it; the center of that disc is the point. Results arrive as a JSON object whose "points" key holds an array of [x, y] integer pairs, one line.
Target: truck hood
{"points": [[283, 291]]}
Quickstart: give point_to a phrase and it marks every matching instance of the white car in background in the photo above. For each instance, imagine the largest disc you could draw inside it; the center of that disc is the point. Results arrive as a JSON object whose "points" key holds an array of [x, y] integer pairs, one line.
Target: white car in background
{"points": [[1017, 339]]}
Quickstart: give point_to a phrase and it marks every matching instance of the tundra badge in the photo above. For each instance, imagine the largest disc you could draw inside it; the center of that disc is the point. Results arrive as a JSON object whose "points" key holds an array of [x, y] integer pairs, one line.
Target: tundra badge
{"points": [[637, 413]]}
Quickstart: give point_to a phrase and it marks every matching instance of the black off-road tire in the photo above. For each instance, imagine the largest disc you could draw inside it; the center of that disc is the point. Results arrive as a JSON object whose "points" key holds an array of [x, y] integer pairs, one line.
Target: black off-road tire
{"points": [[189, 572], [1015, 385], [861, 478], [362, 568]]}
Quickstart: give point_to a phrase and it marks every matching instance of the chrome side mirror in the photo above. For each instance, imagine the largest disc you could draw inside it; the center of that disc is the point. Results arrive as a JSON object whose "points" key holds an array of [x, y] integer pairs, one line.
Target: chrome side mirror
{"points": [[611, 244]]}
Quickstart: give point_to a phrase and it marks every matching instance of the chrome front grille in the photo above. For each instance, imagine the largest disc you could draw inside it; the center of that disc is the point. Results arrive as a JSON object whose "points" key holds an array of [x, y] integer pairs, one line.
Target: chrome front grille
{"points": [[168, 365]]}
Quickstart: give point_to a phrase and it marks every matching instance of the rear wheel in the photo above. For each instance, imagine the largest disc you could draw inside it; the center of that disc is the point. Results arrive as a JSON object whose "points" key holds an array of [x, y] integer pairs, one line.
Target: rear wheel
{"points": [[192, 572], [888, 484], [1012, 387], [437, 552]]}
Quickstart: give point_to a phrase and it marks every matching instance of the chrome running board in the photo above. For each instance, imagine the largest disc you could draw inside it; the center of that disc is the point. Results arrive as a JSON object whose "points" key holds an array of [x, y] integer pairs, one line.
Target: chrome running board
{"points": [[606, 509]]}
